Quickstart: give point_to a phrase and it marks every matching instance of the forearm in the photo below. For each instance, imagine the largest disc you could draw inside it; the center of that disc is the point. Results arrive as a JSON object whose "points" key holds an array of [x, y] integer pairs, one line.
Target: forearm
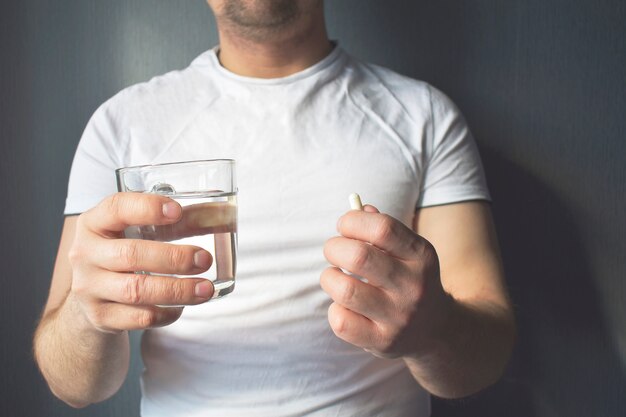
{"points": [[81, 364], [470, 352]]}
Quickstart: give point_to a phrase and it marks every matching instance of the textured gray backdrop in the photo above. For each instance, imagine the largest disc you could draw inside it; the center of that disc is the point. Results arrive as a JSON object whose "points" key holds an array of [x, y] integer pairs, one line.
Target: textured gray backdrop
{"points": [[542, 83]]}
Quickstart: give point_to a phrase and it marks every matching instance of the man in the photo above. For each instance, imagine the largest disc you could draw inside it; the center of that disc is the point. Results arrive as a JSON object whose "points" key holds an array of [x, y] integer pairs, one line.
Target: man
{"points": [[307, 125]]}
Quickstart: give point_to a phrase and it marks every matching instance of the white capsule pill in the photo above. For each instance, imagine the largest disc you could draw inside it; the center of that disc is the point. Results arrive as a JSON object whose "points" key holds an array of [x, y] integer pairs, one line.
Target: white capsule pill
{"points": [[355, 202]]}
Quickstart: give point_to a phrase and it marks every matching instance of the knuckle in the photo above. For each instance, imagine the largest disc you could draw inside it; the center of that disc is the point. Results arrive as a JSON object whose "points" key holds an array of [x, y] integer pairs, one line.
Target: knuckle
{"points": [[133, 289], [326, 278], [384, 230], [147, 318], [75, 255], [425, 251], [129, 254], [326, 249], [97, 317], [360, 258], [387, 341], [144, 204], [176, 257], [329, 247], [178, 290], [348, 292], [417, 246], [114, 203], [338, 323], [324, 275], [79, 287], [431, 259]]}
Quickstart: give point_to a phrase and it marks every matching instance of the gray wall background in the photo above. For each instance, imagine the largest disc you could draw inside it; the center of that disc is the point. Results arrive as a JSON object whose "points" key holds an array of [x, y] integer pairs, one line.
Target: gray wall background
{"points": [[543, 86]]}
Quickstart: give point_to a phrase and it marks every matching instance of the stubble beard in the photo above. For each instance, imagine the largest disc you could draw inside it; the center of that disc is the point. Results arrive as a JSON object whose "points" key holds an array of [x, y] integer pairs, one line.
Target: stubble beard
{"points": [[260, 20]]}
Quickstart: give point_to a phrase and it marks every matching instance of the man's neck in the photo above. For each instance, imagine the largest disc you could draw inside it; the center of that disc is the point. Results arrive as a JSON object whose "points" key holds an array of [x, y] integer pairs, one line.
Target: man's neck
{"points": [[275, 56]]}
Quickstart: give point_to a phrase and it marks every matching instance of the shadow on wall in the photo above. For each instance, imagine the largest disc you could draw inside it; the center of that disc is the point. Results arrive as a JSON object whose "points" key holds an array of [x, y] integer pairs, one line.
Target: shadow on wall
{"points": [[564, 363]]}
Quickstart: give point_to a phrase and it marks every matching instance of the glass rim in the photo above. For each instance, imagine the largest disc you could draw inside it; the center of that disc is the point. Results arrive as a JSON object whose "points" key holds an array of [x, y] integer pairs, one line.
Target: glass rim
{"points": [[139, 168]]}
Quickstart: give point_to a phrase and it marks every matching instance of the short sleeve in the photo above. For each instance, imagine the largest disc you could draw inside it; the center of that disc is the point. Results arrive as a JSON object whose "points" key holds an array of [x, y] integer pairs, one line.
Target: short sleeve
{"points": [[453, 171], [92, 177]]}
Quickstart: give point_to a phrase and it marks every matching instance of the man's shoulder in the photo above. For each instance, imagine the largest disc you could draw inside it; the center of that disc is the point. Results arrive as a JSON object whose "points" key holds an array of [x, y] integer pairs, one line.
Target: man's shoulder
{"points": [[377, 74], [382, 87], [163, 92]]}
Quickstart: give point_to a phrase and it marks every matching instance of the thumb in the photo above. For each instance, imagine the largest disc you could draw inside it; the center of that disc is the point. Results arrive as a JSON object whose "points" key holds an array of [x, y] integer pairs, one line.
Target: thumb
{"points": [[370, 209]]}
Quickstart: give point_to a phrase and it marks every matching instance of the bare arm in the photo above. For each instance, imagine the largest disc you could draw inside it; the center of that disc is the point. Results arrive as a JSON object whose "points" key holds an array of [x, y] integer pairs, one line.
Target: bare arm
{"points": [[477, 336], [80, 364], [81, 343], [436, 299]]}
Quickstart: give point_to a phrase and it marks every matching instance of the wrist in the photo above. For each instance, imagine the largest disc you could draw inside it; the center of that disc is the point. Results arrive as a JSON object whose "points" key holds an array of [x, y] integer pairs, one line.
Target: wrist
{"points": [[439, 335], [468, 353]]}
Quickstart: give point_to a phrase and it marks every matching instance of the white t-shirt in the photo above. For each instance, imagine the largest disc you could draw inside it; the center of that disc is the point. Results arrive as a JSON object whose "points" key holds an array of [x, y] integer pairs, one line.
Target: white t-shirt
{"points": [[302, 144]]}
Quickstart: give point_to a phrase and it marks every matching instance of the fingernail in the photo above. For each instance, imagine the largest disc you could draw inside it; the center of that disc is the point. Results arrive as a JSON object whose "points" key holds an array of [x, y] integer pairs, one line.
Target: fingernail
{"points": [[171, 210], [204, 289], [202, 259]]}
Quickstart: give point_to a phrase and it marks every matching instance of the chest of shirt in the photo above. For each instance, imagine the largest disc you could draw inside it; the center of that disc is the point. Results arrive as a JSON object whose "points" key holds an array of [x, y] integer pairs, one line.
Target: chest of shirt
{"points": [[296, 162]]}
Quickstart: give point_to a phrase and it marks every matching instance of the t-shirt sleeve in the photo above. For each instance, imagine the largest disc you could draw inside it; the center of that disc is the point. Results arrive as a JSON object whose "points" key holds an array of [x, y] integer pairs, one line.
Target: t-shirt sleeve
{"points": [[92, 177], [453, 171]]}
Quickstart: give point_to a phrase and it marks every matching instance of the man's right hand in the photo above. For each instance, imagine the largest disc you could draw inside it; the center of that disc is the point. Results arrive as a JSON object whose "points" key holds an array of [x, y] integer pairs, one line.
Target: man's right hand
{"points": [[112, 297]]}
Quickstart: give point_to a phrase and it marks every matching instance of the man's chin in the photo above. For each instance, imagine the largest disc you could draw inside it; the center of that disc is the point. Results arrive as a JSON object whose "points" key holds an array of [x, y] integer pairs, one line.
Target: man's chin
{"points": [[261, 15]]}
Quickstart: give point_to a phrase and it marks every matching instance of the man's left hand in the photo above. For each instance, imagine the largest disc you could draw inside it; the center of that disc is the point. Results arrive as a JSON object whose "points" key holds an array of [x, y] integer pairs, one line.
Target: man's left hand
{"points": [[402, 308]]}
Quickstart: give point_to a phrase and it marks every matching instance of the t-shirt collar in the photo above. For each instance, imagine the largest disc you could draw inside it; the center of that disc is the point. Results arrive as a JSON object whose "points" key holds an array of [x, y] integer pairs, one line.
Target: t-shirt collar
{"points": [[333, 60]]}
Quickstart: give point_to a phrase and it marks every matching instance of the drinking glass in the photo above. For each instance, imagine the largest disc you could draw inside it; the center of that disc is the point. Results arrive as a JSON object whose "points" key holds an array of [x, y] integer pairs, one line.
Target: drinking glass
{"points": [[207, 192]]}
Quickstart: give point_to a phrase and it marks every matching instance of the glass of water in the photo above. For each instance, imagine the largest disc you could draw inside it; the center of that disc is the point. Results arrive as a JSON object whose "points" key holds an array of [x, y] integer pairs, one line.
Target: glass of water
{"points": [[207, 192]]}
